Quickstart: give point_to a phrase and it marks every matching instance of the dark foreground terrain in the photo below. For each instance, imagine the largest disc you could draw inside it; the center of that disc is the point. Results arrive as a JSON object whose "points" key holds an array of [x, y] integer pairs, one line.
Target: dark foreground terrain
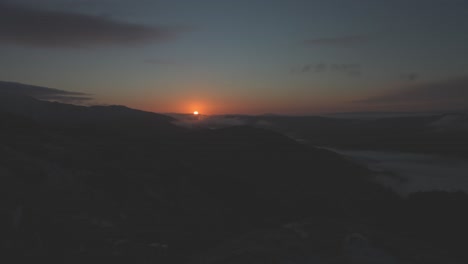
{"points": [[79, 182]]}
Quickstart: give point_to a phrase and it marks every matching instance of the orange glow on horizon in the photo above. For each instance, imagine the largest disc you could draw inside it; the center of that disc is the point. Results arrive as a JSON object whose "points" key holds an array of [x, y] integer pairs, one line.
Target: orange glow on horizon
{"points": [[212, 104], [195, 112]]}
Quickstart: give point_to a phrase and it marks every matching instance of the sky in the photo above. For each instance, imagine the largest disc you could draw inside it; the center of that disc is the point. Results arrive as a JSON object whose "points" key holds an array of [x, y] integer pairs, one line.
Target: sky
{"points": [[245, 57]]}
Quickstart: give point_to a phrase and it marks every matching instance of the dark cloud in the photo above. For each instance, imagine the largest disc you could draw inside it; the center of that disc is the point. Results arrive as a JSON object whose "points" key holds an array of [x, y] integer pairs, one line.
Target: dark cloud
{"points": [[341, 41], [320, 67], [34, 27], [157, 61], [43, 93], [445, 95], [410, 76], [306, 68], [347, 68], [341, 68]]}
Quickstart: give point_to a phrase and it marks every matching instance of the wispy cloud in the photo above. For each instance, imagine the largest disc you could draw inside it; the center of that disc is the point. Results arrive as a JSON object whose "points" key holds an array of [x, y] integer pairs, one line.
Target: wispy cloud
{"points": [[317, 68], [42, 28], [43, 93], [341, 41], [440, 95], [158, 61], [351, 69]]}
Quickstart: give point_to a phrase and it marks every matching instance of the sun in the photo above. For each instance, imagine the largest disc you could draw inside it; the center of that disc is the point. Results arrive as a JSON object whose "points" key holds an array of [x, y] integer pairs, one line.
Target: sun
{"points": [[195, 112]]}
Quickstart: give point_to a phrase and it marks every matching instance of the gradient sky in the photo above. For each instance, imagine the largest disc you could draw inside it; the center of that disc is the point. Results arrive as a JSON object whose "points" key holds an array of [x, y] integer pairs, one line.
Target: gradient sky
{"points": [[255, 56]]}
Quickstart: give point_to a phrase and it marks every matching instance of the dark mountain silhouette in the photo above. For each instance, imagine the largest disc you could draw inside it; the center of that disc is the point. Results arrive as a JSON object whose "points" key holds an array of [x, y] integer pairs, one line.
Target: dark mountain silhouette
{"points": [[43, 93], [80, 181], [444, 134]]}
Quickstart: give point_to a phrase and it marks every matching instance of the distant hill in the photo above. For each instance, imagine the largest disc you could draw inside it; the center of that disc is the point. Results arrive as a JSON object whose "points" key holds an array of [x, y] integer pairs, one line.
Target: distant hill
{"points": [[99, 118], [444, 134]]}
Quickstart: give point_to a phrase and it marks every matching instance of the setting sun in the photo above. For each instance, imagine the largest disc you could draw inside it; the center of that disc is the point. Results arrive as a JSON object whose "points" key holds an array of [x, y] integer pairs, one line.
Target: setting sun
{"points": [[195, 112]]}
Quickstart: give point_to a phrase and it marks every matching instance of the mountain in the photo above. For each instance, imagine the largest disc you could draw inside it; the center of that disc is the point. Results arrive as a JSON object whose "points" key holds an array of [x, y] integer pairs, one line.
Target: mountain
{"points": [[82, 181], [443, 134]]}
